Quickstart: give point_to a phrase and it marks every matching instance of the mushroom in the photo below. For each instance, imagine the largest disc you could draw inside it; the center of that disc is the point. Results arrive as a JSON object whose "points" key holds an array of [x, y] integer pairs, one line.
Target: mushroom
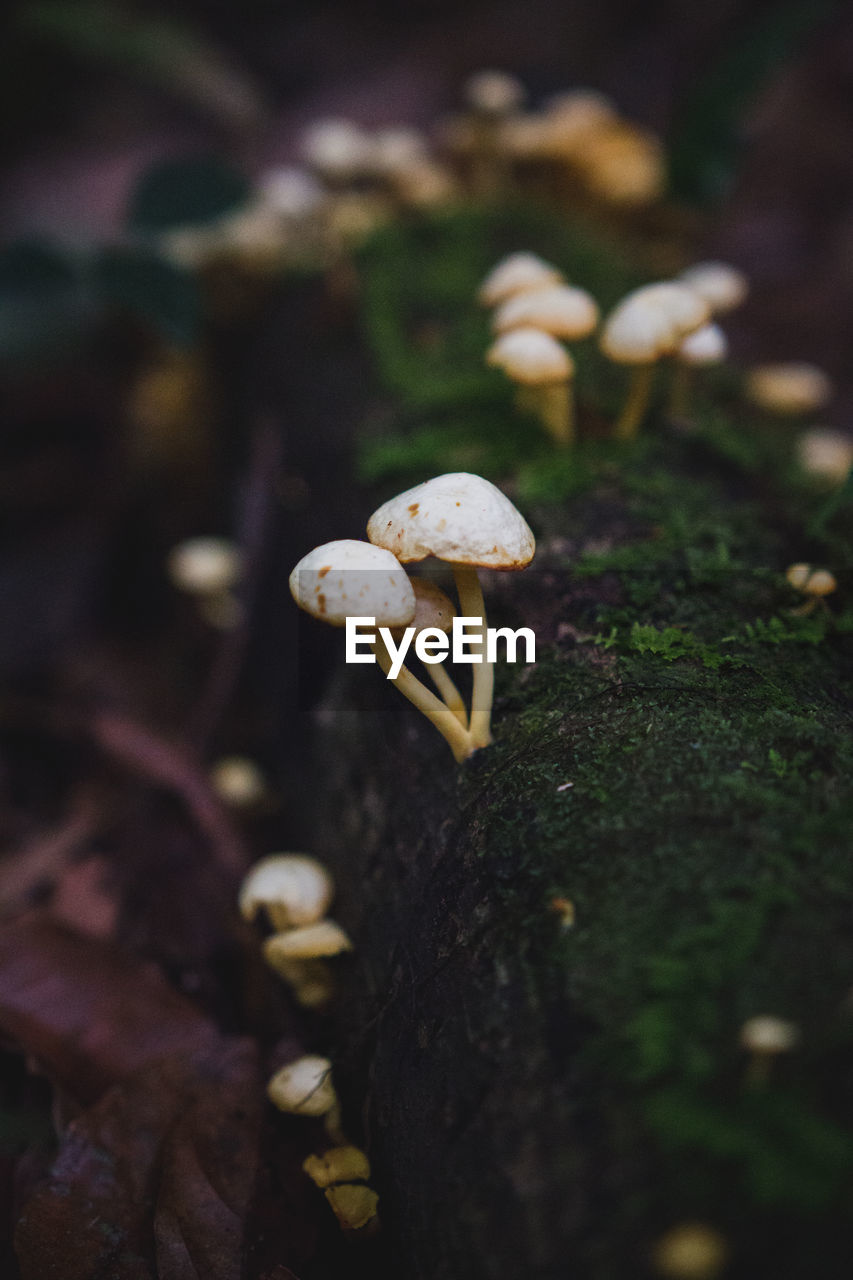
{"points": [[434, 611], [292, 888], [723, 287], [517, 273], [561, 310], [543, 371], [765, 1037], [238, 781], [468, 522], [205, 567], [354, 1206], [788, 389], [623, 165], [816, 584], [690, 1251], [704, 347], [304, 1087], [338, 151], [338, 1164], [646, 325], [493, 97], [308, 942], [825, 454], [348, 578]]}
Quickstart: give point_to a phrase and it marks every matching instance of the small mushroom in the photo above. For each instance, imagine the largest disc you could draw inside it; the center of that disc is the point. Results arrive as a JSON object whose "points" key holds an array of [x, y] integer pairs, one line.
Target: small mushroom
{"points": [[543, 371], [304, 1087], [624, 165], [354, 1206], [648, 324], [701, 349], [765, 1037], [825, 454], [517, 273], [690, 1251], [339, 152], [292, 888], [238, 781], [493, 97], [348, 578], [789, 390], [468, 522], [205, 566], [434, 611], [815, 584], [308, 942], [338, 1164], [723, 287]]}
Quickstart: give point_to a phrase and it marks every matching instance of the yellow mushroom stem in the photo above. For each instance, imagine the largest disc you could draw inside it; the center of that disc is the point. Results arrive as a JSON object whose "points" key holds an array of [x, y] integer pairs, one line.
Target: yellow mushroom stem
{"points": [[436, 711], [679, 391], [472, 605], [639, 392], [450, 694], [557, 411]]}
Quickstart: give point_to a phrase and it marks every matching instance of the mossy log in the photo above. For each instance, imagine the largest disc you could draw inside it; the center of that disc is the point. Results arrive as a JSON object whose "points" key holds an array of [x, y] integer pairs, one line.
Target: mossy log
{"points": [[543, 1096]]}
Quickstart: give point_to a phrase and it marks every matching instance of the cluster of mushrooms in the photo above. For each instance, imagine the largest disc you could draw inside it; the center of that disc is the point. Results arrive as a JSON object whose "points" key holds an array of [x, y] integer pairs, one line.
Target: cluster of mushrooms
{"points": [[293, 891], [458, 518], [534, 307]]}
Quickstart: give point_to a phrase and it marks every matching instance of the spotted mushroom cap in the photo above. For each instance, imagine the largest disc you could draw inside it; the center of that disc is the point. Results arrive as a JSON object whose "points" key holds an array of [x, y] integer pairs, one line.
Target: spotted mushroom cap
{"points": [[293, 888], [530, 356], [350, 578], [561, 310], [706, 345], [723, 287], [516, 273], [457, 517]]}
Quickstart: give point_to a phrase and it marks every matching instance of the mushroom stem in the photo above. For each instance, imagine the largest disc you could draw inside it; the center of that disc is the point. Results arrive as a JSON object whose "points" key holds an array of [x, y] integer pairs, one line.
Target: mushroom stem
{"points": [[472, 605], [637, 403], [451, 695], [457, 737], [679, 391], [557, 411]]}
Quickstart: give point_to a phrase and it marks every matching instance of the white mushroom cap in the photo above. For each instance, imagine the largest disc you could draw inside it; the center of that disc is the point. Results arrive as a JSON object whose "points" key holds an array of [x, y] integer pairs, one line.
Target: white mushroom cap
{"points": [[338, 150], [304, 1088], [820, 583], [798, 575], [789, 388], [308, 942], [238, 781], [531, 356], [205, 566], [723, 287], [561, 310], [637, 332], [293, 888], [516, 273], [680, 304], [350, 578], [826, 453], [706, 345], [457, 517], [398, 150], [768, 1034], [290, 192], [494, 93]]}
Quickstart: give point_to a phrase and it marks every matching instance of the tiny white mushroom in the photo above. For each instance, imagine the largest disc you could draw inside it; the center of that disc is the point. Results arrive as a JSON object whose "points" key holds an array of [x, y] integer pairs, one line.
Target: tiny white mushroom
{"points": [[826, 454], [205, 566], [238, 781], [543, 371], [723, 287], [765, 1037], [704, 347], [788, 389], [517, 273], [636, 333], [292, 888], [307, 942], [304, 1087], [338, 151]]}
